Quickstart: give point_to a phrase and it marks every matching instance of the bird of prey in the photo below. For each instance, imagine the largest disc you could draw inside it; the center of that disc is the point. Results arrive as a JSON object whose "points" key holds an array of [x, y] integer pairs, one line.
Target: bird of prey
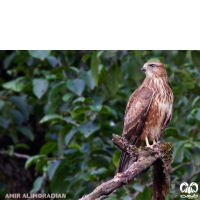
{"points": [[148, 111]]}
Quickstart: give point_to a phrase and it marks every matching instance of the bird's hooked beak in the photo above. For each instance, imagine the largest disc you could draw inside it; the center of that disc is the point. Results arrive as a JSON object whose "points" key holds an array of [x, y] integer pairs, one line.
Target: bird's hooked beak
{"points": [[144, 68]]}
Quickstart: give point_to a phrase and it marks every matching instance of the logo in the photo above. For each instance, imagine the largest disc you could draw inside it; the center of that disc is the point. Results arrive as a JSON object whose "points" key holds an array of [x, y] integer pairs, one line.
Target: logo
{"points": [[189, 190]]}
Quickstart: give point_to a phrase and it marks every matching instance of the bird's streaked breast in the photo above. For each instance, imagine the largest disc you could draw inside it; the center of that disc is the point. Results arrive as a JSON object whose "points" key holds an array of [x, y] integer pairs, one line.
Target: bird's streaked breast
{"points": [[161, 108]]}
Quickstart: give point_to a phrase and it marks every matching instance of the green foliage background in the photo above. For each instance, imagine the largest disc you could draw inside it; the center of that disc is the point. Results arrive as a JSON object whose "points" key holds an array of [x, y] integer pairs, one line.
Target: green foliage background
{"points": [[61, 108]]}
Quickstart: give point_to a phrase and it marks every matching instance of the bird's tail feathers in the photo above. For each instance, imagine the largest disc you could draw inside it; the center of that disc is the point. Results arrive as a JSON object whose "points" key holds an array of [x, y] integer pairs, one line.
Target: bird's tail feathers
{"points": [[124, 162]]}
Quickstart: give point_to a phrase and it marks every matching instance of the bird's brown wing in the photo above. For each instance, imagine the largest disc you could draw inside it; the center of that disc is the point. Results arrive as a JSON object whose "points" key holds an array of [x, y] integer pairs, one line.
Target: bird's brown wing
{"points": [[135, 114]]}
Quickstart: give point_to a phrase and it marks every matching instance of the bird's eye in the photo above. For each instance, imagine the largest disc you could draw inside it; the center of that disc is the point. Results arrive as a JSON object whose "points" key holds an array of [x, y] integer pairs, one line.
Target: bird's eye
{"points": [[152, 65]]}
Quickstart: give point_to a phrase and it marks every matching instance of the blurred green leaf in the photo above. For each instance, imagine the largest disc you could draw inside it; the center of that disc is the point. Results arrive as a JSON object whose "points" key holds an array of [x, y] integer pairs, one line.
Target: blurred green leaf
{"points": [[79, 110], [88, 128], [154, 59], [14, 136], [37, 184], [4, 122], [99, 171], [67, 97], [88, 78], [191, 119], [181, 89], [59, 176], [138, 53], [56, 89], [21, 103], [195, 151], [16, 85], [197, 144], [8, 60], [82, 100], [196, 58], [173, 132], [75, 146], [23, 69], [198, 114], [84, 176], [178, 151], [51, 117], [102, 75], [127, 198], [40, 87], [170, 131], [138, 187], [52, 61], [114, 197], [76, 86], [18, 117], [94, 67], [41, 54], [52, 169], [108, 110], [113, 129], [134, 66], [50, 77], [48, 148], [32, 160], [22, 146], [57, 70], [2, 103], [145, 195], [73, 69], [78, 100], [180, 57], [112, 78], [70, 134], [25, 131], [61, 138], [186, 78], [85, 58], [116, 157], [196, 101]]}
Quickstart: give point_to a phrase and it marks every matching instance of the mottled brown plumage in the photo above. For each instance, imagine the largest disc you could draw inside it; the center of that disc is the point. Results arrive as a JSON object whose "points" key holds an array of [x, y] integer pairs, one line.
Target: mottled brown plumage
{"points": [[148, 111]]}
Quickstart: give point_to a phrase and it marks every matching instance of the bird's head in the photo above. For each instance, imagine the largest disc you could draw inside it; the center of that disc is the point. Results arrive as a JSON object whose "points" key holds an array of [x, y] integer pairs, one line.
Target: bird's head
{"points": [[154, 69]]}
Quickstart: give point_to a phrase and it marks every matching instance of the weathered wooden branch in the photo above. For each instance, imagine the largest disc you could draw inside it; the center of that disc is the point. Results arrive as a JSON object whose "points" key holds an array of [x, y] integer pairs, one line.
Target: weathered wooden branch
{"points": [[14, 154], [159, 156]]}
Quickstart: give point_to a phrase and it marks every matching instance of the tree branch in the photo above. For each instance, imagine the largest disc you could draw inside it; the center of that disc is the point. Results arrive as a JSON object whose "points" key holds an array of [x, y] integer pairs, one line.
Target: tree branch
{"points": [[144, 157], [194, 174], [181, 165], [15, 154]]}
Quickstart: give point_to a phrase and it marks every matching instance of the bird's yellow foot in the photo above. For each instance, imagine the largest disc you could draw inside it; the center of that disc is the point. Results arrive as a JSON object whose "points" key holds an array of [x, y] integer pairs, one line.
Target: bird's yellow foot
{"points": [[147, 143], [151, 146], [155, 144]]}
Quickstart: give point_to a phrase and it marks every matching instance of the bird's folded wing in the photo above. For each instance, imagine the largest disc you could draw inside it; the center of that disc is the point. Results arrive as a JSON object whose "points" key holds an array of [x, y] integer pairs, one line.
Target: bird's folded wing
{"points": [[136, 110], [135, 114]]}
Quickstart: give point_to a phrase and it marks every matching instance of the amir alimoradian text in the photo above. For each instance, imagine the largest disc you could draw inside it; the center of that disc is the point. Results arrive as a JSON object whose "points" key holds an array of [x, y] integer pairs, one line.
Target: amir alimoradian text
{"points": [[39, 195]]}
